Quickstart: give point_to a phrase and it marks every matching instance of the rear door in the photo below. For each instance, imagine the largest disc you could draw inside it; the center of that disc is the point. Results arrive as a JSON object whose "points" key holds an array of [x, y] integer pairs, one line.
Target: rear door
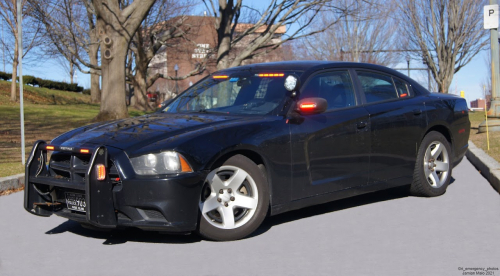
{"points": [[330, 151], [397, 120]]}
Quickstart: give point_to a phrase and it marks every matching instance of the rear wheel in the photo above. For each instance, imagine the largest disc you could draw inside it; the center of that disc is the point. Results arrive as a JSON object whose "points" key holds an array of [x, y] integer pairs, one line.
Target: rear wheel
{"points": [[234, 200], [433, 167]]}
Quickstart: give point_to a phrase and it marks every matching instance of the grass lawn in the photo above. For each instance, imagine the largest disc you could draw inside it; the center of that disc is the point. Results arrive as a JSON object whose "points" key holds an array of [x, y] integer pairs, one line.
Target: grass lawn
{"points": [[47, 114], [479, 139]]}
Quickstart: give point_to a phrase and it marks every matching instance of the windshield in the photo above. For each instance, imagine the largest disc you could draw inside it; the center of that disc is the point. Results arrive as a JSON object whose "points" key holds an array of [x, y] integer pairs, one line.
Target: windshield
{"points": [[235, 93]]}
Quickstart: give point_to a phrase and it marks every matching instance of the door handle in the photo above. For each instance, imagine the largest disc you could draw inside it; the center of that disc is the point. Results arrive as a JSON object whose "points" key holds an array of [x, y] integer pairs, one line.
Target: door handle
{"points": [[361, 125], [417, 112]]}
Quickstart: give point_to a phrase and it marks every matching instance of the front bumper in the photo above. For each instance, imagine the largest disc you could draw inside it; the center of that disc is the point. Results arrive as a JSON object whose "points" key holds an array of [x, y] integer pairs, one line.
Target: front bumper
{"points": [[122, 199]]}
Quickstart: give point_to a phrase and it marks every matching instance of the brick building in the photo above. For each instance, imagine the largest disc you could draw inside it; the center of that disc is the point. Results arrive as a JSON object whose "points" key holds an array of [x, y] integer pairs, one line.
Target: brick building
{"points": [[187, 53], [480, 103]]}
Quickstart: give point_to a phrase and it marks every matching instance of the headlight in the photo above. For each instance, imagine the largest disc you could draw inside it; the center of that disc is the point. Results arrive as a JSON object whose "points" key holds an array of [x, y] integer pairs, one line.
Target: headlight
{"points": [[160, 163]]}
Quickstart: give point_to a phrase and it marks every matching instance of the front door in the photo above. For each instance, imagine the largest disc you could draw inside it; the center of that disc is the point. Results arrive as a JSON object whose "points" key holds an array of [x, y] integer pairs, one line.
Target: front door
{"points": [[330, 151]]}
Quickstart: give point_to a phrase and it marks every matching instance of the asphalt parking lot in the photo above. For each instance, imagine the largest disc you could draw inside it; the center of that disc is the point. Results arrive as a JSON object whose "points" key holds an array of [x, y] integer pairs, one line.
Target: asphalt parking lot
{"points": [[384, 233]]}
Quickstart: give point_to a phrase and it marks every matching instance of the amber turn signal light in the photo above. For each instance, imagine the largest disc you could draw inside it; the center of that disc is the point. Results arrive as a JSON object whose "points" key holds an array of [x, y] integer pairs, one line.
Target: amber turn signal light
{"points": [[184, 165], [101, 172]]}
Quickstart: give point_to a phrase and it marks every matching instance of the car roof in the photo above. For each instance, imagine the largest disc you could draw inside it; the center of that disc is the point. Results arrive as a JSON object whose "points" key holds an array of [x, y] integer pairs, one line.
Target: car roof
{"points": [[310, 66]]}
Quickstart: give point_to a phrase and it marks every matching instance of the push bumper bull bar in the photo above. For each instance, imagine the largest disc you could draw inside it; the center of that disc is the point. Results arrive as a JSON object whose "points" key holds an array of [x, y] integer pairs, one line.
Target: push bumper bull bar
{"points": [[99, 207], [162, 203]]}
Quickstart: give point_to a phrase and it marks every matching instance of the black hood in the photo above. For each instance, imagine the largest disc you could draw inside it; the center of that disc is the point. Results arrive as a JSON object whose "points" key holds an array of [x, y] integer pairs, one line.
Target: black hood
{"points": [[140, 131]]}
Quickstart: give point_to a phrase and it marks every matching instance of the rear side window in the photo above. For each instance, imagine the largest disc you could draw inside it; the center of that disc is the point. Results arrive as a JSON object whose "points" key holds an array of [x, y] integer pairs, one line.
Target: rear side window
{"points": [[335, 87], [379, 87], [401, 88]]}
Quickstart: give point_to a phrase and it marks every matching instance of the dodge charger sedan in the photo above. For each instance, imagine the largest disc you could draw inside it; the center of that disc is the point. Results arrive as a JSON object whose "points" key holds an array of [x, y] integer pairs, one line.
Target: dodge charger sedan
{"points": [[250, 142]]}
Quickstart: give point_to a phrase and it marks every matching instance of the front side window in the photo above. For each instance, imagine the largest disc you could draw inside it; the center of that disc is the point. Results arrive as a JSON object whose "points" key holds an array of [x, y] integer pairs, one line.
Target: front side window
{"points": [[235, 93], [335, 87]]}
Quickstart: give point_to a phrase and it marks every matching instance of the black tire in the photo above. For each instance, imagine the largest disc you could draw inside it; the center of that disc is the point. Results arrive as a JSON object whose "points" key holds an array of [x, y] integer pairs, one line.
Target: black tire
{"points": [[426, 186], [212, 227]]}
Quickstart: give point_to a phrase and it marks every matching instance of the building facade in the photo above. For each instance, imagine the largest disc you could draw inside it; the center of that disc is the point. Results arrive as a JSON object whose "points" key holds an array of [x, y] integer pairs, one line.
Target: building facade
{"points": [[183, 55], [481, 103]]}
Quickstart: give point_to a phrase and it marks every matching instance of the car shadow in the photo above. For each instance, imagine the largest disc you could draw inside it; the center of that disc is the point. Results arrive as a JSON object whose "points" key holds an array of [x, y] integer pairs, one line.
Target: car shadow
{"points": [[333, 206], [120, 236]]}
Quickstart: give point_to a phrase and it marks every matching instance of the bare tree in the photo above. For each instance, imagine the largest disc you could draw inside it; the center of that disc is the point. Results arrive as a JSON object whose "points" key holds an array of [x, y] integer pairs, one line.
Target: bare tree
{"points": [[71, 27], [68, 67], [117, 23], [31, 36], [366, 34], [449, 33], [162, 28], [259, 38]]}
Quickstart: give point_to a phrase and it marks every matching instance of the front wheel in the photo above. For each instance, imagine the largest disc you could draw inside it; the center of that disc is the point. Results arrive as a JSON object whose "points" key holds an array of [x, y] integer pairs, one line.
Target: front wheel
{"points": [[433, 167], [234, 200]]}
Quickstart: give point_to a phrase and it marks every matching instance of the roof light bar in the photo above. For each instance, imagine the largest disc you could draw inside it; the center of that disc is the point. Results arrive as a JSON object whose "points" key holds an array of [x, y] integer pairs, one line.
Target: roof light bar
{"points": [[271, 75], [220, 77]]}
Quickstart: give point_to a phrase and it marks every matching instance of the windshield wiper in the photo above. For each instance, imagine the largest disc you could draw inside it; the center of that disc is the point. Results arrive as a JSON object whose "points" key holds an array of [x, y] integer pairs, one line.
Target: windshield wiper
{"points": [[211, 111]]}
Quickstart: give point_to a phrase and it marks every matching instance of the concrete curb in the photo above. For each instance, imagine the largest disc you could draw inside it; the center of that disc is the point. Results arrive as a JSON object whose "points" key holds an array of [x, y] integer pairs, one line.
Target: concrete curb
{"points": [[11, 182], [485, 164]]}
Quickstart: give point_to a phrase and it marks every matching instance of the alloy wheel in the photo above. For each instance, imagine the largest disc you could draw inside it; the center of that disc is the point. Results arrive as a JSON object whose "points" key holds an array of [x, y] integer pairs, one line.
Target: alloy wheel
{"points": [[436, 164], [229, 197]]}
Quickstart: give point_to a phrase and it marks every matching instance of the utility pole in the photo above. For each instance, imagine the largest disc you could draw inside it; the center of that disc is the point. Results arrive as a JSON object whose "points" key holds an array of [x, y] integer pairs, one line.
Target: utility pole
{"points": [[408, 62], [491, 22], [21, 98]]}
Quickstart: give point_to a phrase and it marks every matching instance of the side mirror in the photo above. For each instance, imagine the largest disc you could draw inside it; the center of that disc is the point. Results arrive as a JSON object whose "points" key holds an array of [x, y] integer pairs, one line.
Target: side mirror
{"points": [[309, 106], [165, 103]]}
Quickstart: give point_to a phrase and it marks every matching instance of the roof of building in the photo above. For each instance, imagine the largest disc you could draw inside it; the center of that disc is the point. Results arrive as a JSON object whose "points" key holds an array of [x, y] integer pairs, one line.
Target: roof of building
{"points": [[241, 27]]}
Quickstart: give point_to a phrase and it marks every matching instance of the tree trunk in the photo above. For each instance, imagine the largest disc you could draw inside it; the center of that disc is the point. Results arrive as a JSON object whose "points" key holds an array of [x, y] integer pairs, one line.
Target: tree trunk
{"points": [[223, 54], [113, 100], [444, 85], [116, 26], [140, 91], [13, 88], [71, 72], [95, 90]]}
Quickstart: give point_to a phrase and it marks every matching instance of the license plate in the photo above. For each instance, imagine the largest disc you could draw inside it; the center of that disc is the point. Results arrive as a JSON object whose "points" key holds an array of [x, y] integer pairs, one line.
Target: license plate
{"points": [[76, 202]]}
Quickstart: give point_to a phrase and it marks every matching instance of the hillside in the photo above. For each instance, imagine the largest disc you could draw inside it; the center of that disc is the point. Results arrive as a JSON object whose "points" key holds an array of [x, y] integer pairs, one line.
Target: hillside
{"points": [[36, 95], [48, 113]]}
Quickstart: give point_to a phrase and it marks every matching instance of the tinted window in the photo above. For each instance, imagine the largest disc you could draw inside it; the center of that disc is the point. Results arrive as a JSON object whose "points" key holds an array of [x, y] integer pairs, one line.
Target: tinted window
{"points": [[238, 93], [377, 87], [401, 88], [335, 87]]}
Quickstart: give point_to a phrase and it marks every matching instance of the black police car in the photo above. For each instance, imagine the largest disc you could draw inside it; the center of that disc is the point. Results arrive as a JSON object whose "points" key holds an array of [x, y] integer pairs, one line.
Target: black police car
{"points": [[248, 142]]}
